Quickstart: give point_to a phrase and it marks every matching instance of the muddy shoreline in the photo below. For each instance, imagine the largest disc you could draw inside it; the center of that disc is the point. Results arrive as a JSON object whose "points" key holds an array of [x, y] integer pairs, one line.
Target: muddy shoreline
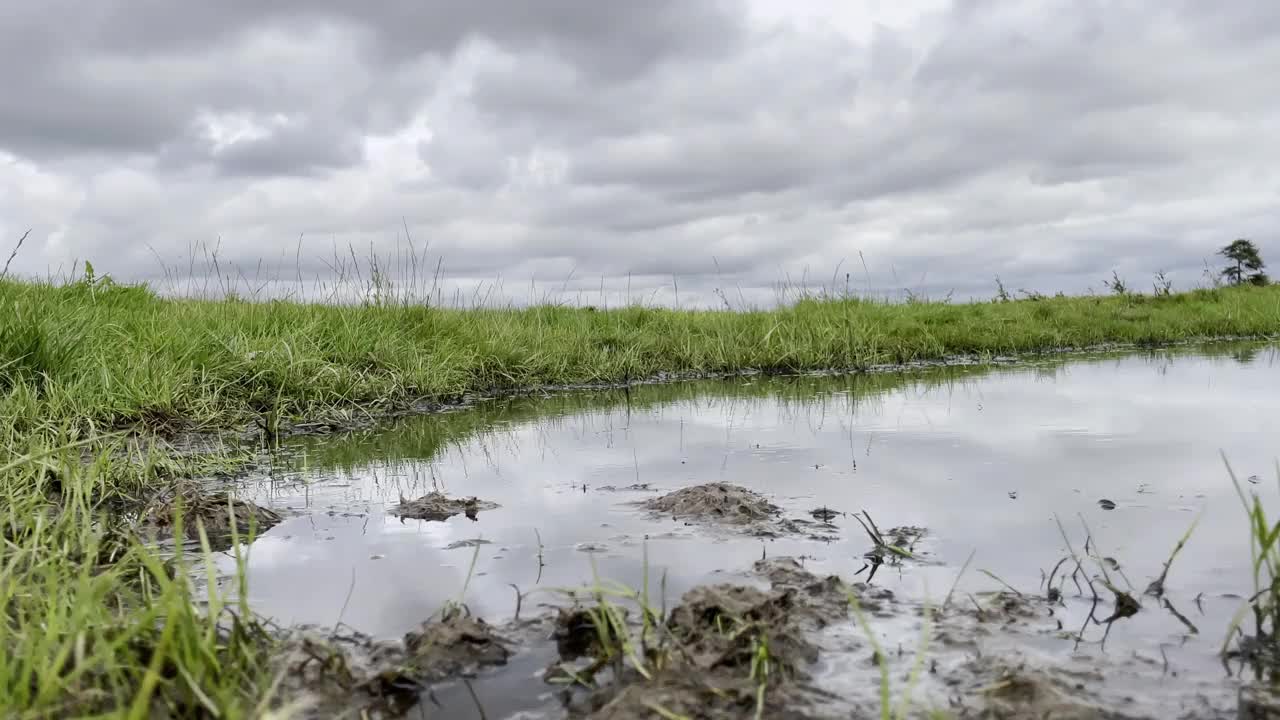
{"points": [[739, 649]]}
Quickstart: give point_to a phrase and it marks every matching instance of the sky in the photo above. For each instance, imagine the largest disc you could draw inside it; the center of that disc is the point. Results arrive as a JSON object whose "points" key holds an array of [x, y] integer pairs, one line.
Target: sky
{"points": [[690, 152]]}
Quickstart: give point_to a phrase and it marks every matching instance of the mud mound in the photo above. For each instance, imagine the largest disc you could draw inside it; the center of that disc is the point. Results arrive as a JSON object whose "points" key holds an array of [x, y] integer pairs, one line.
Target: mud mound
{"points": [[716, 502], [220, 514], [457, 645], [727, 505], [713, 654], [355, 676], [437, 507], [819, 599]]}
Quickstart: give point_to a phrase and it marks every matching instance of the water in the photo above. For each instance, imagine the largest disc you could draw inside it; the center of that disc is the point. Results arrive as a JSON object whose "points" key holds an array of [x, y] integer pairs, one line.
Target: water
{"points": [[984, 459]]}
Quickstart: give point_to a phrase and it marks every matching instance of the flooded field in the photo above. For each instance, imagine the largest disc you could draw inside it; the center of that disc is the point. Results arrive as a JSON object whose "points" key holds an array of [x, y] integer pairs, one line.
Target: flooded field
{"points": [[908, 476]]}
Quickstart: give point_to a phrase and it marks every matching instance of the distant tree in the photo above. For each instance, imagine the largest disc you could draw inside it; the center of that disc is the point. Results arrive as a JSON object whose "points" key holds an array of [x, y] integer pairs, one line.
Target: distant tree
{"points": [[1244, 256]]}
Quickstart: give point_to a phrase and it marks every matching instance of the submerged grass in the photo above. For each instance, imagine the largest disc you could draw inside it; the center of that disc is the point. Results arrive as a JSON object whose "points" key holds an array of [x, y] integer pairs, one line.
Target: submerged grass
{"points": [[115, 356]]}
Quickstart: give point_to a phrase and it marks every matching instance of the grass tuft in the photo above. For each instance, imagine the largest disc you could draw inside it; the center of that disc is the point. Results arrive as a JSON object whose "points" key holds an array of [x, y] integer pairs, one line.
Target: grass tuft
{"points": [[95, 622]]}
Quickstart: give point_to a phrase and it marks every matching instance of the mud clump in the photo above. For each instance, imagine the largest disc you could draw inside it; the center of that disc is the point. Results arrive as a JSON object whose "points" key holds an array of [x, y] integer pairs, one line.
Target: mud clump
{"points": [[457, 645], [358, 677], [724, 504], [716, 502], [726, 651], [222, 516], [435, 506]]}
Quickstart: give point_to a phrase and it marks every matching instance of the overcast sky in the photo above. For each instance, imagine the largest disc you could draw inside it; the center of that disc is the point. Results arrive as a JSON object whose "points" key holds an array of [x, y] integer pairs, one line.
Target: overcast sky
{"points": [[534, 146]]}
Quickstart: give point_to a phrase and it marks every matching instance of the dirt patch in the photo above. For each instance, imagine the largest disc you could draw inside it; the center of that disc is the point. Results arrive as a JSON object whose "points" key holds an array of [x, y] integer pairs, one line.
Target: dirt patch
{"points": [[222, 515], [437, 507], [726, 651], [355, 676], [725, 505], [457, 645], [780, 644], [717, 502]]}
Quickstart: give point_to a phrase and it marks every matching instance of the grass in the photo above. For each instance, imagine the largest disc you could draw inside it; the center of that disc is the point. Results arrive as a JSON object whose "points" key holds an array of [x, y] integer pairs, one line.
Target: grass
{"points": [[1264, 550], [97, 624], [111, 356], [651, 646]]}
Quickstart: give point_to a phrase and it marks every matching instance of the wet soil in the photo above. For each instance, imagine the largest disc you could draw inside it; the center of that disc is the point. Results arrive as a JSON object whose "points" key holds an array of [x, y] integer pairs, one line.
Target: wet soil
{"points": [[357, 676], [718, 502], [437, 507], [758, 648], [729, 506], [222, 515], [714, 652], [707, 662]]}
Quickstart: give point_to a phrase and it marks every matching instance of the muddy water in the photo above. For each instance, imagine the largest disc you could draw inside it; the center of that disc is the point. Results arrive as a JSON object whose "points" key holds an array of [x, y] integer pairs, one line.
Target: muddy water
{"points": [[984, 460]]}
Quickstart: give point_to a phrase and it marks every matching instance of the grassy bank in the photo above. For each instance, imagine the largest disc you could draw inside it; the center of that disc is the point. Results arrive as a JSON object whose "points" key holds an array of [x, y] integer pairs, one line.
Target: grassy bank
{"points": [[120, 357]]}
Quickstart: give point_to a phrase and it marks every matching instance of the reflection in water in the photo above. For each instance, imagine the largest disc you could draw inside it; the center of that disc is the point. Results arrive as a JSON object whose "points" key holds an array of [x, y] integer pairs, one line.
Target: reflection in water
{"points": [[983, 458]]}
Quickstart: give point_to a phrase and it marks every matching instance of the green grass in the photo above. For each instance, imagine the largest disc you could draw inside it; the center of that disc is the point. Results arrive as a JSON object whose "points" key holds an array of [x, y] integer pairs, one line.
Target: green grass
{"points": [[108, 356], [97, 624], [1264, 553]]}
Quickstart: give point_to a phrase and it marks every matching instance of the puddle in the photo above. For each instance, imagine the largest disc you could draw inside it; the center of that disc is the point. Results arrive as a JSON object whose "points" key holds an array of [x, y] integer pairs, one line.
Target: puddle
{"points": [[945, 463]]}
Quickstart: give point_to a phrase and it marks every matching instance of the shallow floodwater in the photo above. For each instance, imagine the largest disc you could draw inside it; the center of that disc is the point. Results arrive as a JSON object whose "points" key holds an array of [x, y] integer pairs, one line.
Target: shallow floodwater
{"points": [[984, 459]]}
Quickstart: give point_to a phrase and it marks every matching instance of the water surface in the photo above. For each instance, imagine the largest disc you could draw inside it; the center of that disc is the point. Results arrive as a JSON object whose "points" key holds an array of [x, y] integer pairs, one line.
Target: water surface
{"points": [[985, 459]]}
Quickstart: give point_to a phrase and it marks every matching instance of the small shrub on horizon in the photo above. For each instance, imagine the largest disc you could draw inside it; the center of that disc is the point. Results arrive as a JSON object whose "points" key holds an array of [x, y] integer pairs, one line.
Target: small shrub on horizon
{"points": [[1116, 284]]}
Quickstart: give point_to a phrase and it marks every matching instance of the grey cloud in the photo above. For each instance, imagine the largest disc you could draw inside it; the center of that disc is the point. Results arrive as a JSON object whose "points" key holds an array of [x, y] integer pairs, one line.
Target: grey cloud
{"points": [[306, 149], [1046, 142], [60, 55]]}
